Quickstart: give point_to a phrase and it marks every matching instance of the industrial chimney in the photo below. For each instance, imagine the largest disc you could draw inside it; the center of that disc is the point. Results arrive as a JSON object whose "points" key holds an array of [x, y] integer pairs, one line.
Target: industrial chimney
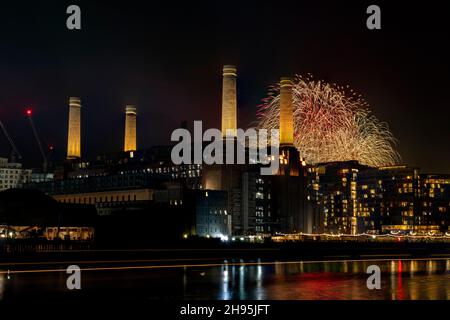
{"points": [[74, 132], [229, 120], [286, 112], [130, 128]]}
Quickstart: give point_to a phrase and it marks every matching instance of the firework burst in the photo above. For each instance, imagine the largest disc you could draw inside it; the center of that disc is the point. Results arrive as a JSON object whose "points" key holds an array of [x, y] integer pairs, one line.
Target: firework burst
{"points": [[331, 123]]}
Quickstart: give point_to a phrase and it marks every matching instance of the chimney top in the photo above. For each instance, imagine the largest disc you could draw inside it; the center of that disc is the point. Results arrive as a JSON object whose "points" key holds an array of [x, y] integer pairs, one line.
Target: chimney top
{"points": [[75, 101], [286, 81], [229, 70], [129, 109]]}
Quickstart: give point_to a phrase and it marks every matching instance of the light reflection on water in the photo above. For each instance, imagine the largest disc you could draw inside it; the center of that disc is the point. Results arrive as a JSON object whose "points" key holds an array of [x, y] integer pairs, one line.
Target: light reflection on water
{"points": [[400, 280]]}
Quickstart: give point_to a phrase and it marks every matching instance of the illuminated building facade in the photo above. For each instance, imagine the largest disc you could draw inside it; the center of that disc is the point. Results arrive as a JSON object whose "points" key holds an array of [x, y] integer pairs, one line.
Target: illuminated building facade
{"points": [[333, 188], [148, 168], [239, 183], [265, 224], [434, 201], [388, 198], [209, 211], [74, 129], [355, 199], [107, 201]]}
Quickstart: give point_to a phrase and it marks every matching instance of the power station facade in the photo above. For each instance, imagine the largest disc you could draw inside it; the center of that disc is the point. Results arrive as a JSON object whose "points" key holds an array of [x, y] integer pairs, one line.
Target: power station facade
{"points": [[74, 130], [130, 129], [261, 204], [255, 204], [239, 184], [235, 199]]}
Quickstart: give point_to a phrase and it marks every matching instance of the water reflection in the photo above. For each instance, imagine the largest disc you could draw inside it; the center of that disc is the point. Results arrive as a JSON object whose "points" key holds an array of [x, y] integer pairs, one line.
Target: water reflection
{"points": [[400, 280], [2, 285], [262, 280]]}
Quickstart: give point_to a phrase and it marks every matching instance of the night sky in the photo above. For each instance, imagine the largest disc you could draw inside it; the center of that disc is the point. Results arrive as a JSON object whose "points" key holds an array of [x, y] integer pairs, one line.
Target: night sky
{"points": [[166, 58]]}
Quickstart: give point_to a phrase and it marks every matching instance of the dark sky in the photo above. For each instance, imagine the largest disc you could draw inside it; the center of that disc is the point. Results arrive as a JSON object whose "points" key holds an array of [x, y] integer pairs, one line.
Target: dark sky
{"points": [[166, 57]]}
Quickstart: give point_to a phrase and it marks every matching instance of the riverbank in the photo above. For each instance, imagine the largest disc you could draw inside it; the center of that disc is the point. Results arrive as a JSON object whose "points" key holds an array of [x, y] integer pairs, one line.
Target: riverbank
{"points": [[219, 250]]}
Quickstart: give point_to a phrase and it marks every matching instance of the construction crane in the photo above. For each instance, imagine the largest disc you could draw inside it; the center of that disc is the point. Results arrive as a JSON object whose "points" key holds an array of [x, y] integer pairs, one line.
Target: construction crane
{"points": [[29, 113], [14, 151]]}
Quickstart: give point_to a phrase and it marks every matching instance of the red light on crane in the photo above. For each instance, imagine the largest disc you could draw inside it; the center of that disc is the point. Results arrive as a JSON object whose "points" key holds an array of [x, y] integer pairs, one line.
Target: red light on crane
{"points": [[29, 112]]}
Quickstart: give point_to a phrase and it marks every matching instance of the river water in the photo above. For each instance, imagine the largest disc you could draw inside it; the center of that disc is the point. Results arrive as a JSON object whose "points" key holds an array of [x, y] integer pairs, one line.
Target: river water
{"points": [[259, 280]]}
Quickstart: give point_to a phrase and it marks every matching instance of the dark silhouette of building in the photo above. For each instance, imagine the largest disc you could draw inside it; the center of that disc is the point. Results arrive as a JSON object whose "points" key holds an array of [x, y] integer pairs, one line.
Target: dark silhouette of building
{"points": [[32, 214]]}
